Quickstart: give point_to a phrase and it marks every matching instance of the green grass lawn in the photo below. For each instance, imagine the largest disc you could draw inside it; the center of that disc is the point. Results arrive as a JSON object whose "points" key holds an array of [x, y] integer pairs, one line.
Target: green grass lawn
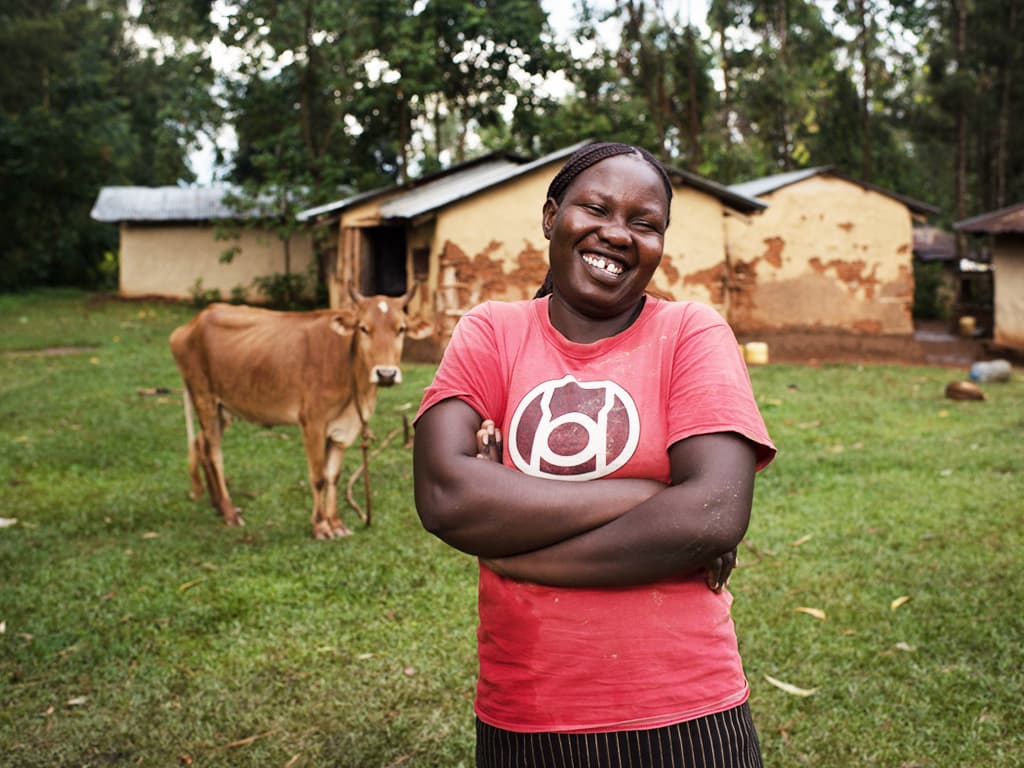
{"points": [[136, 629]]}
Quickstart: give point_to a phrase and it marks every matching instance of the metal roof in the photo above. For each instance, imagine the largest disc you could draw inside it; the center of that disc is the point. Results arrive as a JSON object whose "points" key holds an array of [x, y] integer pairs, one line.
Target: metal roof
{"points": [[736, 200], [768, 184], [116, 204], [1002, 221], [934, 244], [465, 180], [444, 187]]}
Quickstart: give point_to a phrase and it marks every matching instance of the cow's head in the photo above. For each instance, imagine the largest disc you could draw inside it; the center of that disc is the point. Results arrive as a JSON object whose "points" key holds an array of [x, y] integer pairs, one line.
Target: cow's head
{"points": [[378, 327]]}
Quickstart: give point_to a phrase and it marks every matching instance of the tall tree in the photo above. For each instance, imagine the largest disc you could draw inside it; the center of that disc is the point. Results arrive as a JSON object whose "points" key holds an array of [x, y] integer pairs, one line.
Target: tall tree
{"points": [[81, 106]]}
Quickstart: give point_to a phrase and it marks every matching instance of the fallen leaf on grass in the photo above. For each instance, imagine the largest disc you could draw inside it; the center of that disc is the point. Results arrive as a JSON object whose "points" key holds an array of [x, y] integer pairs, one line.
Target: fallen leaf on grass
{"points": [[77, 701], [3, 627], [907, 647], [790, 689], [802, 540], [7, 522], [151, 535], [903, 600], [189, 584], [815, 612], [294, 760], [249, 740]]}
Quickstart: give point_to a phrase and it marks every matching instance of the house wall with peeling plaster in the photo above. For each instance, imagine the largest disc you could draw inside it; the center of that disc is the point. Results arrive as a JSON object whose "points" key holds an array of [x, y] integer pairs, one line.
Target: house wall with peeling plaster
{"points": [[1008, 264], [826, 253]]}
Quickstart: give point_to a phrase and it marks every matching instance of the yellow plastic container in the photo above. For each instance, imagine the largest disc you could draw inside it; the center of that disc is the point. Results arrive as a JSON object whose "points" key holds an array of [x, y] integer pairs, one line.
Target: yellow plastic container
{"points": [[755, 353], [967, 325]]}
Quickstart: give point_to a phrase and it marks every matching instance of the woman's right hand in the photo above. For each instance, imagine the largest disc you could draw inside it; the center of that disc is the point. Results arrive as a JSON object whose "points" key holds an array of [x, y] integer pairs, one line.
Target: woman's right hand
{"points": [[719, 570]]}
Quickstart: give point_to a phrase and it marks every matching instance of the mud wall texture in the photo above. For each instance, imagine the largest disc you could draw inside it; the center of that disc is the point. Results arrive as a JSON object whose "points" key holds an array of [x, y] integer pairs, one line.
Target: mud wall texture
{"points": [[826, 253], [1008, 264], [693, 268], [166, 260]]}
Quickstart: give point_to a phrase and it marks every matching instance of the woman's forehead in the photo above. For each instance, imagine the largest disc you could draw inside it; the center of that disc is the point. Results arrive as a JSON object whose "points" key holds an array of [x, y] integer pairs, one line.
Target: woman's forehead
{"points": [[620, 175]]}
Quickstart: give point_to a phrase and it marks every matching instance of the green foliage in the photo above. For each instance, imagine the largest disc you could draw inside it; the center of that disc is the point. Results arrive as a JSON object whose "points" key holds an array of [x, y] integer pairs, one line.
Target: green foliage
{"points": [[202, 297], [140, 630], [933, 293], [82, 107], [285, 291]]}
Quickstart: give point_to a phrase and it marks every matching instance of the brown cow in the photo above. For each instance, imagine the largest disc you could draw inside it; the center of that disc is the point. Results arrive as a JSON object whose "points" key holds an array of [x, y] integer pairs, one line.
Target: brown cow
{"points": [[319, 370]]}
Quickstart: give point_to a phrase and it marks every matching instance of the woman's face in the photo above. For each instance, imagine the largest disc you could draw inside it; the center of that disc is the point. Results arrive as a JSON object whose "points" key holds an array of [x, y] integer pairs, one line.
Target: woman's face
{"points": [[607, 236]]}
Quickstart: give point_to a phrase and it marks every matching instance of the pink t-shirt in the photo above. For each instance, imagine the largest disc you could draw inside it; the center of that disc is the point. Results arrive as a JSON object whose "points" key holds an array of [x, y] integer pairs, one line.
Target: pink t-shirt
{"points": [[591, 660]]}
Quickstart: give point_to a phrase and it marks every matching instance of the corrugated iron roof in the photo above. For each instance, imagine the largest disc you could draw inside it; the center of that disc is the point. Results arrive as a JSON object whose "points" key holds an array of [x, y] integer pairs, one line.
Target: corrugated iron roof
{"points": [[739, 201], [934, 244], [768, 184], [443, 187], [1002, 221], [116, 204], [446, 190], [459, 182]]}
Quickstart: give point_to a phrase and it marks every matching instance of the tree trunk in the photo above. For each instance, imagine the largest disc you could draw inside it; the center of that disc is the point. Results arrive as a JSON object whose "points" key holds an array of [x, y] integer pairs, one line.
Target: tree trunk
{"points": [[693, 113], [960, 175], [782, 33], [865, 56], [1004, 107]]}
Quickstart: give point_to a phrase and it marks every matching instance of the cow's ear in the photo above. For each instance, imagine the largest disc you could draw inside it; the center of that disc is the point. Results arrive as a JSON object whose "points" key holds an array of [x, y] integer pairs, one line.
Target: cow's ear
{"points": [[419, 329], [343, 322]]}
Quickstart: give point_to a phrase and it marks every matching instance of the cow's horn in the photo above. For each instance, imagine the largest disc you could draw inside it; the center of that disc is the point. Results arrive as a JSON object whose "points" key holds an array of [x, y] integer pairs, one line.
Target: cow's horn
{"points": [[410, 293], [355, 295]]}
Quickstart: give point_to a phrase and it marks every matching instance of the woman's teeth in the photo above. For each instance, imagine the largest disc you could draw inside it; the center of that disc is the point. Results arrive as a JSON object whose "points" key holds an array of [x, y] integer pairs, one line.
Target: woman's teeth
{"points": [[600, 262]]}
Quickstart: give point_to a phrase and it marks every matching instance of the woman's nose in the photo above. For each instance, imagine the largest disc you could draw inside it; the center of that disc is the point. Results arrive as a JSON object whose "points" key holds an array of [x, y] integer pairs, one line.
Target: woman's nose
{"points": [[615, 233]]}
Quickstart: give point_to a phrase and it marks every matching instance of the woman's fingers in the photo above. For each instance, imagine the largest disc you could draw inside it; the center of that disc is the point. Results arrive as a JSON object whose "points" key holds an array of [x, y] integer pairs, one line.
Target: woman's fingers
{"points": [[488, 442]]}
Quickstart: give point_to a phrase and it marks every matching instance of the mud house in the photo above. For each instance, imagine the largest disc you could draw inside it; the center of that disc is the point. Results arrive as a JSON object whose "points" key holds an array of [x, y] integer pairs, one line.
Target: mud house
{"points": [[473, 233], [1005, 227], [828, 252], [169, 243]]}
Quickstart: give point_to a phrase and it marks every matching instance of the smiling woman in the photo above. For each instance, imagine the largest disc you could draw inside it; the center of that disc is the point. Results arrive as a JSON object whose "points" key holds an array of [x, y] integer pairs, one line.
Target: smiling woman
{"points": [[606, 523]]}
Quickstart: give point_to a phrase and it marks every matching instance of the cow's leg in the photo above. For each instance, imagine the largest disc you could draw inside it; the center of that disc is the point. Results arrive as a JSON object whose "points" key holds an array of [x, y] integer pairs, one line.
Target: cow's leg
{"points": [[332, 468], [196, 491], [314, 436], [212, 459]]}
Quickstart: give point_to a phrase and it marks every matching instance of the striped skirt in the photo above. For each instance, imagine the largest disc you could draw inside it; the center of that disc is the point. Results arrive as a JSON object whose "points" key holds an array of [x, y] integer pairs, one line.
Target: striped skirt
{"points": [[725, 740]]}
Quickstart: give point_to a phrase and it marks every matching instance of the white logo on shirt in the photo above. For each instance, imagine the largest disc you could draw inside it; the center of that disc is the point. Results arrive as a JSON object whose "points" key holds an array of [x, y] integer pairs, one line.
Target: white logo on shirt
{"points": [[574, 430]]}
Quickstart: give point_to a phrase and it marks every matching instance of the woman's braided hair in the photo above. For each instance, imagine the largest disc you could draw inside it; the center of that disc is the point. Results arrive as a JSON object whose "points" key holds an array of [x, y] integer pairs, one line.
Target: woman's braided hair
{"points": [[584, 158]]}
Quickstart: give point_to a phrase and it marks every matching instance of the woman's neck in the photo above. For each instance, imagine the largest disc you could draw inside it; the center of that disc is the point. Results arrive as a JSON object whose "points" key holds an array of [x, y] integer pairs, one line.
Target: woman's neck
{"points": [[582, 329]]}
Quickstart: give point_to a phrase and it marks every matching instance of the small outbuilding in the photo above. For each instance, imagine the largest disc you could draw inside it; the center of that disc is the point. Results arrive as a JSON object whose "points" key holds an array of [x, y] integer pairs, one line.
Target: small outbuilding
{"points": [[829, 253], [176, 242], [1005, 228], [473, 232]]}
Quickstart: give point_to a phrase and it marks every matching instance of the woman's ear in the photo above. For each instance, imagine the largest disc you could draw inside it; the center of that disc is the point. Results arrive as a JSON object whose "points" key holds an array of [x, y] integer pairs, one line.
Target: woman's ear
{"points": [[548, 218]]}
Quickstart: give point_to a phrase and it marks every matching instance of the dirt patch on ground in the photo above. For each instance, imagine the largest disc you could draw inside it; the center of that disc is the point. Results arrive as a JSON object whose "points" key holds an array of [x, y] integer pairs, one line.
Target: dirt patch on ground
{"points": [[930, 344]]}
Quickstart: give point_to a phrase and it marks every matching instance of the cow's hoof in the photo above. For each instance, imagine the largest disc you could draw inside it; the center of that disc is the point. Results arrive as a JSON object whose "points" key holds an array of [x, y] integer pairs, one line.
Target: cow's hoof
{"points": [[340, 533], [234, 519]]}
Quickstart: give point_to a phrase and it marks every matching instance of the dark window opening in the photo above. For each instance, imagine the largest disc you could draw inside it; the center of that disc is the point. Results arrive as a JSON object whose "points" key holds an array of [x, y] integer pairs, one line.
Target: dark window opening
{"points": [[382, 262], [421, 264]]}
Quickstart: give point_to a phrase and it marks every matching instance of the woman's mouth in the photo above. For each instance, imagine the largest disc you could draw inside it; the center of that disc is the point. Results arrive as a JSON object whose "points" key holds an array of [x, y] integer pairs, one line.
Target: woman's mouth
{"points": [[605, 265]]}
